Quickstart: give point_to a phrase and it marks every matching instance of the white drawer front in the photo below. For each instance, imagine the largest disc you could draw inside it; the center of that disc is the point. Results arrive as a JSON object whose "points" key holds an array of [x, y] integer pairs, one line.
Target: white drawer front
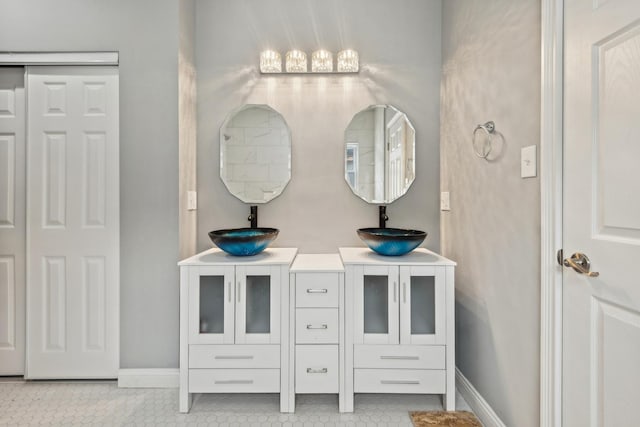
{"points": [[316, 326], [234, 356], [316, 369], [234, 380], [317, 289], [399, 381], [399, 356]]}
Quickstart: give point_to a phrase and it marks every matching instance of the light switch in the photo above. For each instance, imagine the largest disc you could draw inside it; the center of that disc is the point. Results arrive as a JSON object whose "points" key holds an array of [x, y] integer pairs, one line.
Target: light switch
{"points": [[445, 202], [528, 162], [192, 200]]}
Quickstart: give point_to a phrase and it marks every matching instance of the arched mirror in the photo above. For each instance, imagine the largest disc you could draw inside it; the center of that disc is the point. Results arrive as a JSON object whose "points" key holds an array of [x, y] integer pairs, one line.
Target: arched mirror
{"points": [[379, 154], [255, 153]]}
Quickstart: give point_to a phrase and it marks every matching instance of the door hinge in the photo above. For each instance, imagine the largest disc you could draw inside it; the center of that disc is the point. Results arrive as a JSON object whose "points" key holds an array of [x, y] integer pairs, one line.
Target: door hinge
{"points": [[560, 257]]}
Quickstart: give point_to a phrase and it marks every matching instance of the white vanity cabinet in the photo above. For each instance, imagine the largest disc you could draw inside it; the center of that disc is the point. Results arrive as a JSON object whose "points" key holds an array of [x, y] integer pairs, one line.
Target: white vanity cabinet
{"points": [[234, 324], [400, 332], [317, 337]]}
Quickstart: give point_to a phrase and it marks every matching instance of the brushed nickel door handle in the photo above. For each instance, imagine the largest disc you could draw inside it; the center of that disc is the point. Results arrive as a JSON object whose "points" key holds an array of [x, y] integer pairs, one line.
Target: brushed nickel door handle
{"points": [[317, 371], [581, 264], [323, 326], [412, 382], [233, 382]]}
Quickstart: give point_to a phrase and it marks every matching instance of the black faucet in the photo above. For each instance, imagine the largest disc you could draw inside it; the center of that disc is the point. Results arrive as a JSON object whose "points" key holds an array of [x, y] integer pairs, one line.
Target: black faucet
{"points": [[253, 217], [383, 216]]}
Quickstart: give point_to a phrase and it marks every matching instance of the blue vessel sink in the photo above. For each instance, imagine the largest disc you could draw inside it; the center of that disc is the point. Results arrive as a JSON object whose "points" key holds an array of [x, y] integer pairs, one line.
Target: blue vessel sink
{"points": [[243, 241], [391, 241]]}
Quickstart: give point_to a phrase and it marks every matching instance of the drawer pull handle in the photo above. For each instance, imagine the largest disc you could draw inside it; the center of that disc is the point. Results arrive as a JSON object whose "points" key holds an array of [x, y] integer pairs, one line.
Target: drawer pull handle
{"points": [[316, 371], [233, 382], [323, 326], [400, 382], [233, 357], [400, 357], [317, 291]]}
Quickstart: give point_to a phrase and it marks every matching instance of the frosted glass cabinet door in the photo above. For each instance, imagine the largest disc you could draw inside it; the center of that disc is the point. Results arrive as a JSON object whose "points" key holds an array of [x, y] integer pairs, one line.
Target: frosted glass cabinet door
{"points": [[422, 305], [257, 305], [211, 294], [376, 311]]}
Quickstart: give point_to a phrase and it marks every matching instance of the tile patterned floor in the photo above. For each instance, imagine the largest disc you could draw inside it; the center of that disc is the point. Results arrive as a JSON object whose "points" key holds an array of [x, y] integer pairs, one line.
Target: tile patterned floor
{"points": [[104, 404]]}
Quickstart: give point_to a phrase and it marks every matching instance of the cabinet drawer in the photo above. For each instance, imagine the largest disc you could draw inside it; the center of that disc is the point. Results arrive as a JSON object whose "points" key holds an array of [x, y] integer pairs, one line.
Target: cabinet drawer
{"points": [[234, 380], [316, 369], [399, 381], [234, 356], [317, 289], [399, 356], [316, 326]]}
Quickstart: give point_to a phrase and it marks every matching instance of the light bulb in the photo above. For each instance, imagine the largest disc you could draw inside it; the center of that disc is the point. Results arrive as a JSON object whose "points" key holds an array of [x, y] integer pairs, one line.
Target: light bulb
{"points": [[348, 61], [270, 62], [322, 61], [296, 61]]}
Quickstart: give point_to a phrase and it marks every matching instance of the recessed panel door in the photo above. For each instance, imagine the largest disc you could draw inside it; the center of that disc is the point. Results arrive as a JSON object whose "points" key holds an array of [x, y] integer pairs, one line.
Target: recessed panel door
{"points": [[12, 221], [211, 293], [73, 222], [422, 305], [376, 311], [257, 305], [601, 210]]}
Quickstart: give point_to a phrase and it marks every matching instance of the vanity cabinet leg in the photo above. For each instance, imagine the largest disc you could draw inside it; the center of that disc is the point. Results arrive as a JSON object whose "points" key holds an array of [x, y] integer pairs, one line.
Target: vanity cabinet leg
{"points": [[186, 399], [450, 401]]}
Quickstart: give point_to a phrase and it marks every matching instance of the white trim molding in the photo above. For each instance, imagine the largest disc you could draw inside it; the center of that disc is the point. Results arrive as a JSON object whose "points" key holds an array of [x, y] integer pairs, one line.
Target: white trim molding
{"points": [[59, 58], [480, 407], [552, 27], [148, 378]]}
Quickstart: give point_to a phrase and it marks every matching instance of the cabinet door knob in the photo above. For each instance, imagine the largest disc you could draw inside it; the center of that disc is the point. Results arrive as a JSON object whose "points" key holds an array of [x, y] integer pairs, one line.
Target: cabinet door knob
{"points": [[317, 291]]}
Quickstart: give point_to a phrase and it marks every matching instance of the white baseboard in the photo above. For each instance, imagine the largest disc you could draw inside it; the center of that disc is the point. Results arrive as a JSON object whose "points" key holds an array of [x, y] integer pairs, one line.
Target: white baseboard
{"points": [[148, 378], [480, 406]]}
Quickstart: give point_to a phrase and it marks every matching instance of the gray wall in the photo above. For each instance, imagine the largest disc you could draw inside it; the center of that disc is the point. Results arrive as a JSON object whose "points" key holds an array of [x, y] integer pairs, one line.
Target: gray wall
{"points": [[399, 45], [187, 125], [491, 71], [145, 32]]}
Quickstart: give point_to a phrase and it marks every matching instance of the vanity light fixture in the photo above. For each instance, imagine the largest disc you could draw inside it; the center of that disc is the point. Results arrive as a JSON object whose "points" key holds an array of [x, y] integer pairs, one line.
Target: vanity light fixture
{"points": [[348, 61], [270, 62], [321, 62], [296, 61]]}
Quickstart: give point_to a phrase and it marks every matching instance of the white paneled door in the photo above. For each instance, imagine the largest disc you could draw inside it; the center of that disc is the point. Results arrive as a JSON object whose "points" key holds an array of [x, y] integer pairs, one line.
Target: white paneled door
{"points": [[72, 222], [12, 221], [601, 314]]}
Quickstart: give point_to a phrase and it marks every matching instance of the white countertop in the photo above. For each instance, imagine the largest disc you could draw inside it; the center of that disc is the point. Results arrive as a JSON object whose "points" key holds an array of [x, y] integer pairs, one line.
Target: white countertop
{"points": [[313, 263], [417, 256], [269, 256]]}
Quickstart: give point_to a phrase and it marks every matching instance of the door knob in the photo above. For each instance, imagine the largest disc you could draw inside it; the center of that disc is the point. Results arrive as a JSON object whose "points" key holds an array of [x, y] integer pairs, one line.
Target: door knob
{"points": [[581, 264]]}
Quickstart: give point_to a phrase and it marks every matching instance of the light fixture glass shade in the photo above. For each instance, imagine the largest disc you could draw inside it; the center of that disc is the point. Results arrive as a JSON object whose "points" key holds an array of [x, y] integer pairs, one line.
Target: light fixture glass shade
{"points": [[296, 61], [322, 61], [348, 61], [270, 62]]}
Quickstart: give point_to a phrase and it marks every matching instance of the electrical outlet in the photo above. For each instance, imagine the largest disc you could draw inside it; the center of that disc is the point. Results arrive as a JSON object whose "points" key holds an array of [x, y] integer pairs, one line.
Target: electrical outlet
{"points": [[445, 202], [192, 200]]}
